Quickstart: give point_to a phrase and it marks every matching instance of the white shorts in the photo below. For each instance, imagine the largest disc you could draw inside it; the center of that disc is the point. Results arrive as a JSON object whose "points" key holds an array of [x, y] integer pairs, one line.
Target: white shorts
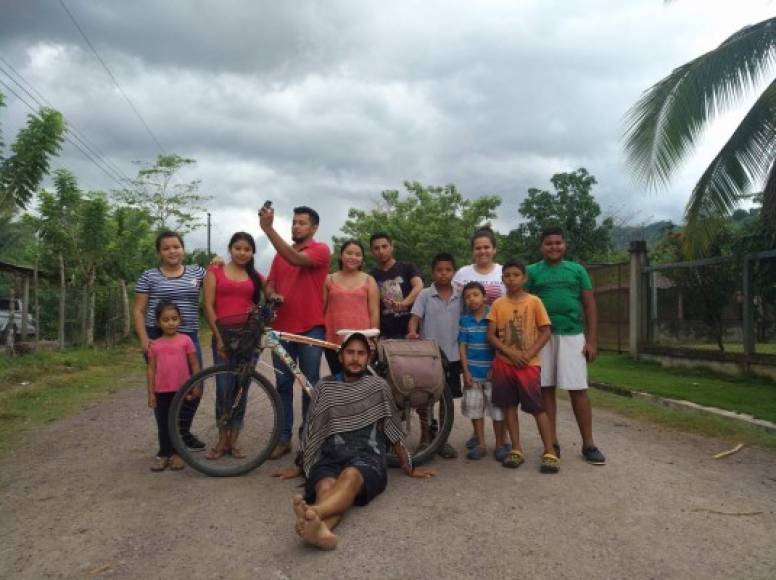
{"points": [[476, 402], [563, 363]]}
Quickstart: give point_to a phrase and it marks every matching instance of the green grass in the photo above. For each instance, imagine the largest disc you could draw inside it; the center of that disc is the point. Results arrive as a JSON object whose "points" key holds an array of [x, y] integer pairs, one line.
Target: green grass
{"points": [[753, 395], [729, 431], [40, 388]]}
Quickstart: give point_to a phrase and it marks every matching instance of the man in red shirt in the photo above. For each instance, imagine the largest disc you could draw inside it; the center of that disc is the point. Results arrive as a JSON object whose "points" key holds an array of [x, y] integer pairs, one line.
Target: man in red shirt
{"points": [[297, 275]]}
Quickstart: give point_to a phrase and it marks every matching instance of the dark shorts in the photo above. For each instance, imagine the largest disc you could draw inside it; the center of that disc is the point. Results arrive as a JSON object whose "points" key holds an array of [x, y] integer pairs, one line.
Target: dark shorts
{"points": [[453, 378], [517, 386], [371, 468]]}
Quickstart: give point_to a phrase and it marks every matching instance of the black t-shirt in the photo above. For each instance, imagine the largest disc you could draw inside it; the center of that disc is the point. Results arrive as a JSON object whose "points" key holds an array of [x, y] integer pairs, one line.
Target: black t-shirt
{"points": [[394, 285]]}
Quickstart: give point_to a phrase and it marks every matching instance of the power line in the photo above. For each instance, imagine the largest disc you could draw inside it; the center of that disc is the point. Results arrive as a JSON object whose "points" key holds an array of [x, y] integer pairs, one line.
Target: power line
{"points": [[71, 141], [70, 126], [113, 78]]}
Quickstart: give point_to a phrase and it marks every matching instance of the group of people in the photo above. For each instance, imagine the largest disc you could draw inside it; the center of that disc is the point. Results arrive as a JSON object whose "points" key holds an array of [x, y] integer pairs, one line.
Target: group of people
{"points": [[512, 335]]}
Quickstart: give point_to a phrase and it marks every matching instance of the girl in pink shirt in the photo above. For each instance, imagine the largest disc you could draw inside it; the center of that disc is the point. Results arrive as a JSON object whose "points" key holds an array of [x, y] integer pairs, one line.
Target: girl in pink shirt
{"points": [[231, 290], [171, 360]]}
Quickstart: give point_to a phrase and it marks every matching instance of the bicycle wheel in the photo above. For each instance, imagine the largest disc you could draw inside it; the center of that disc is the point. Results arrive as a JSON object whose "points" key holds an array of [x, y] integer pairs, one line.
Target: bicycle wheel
{"points": [[229, 398], [426, 429]]}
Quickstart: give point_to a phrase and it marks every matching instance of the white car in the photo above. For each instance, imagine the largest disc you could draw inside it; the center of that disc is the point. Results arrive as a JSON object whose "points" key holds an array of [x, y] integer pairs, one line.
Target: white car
{"points": [[5, 318]]}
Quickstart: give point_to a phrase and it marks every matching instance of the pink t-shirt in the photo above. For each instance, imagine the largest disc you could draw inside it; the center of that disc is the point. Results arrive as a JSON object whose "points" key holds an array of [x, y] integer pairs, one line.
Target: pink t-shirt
{"points": [[172, 362], [301, 288], [232, 297]]}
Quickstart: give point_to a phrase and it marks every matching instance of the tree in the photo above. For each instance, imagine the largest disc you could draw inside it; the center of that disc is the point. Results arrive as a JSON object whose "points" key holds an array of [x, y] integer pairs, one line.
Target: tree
{"points": [[171, 205], [663, 127], [571, 207], [428, 220], [22, 172]]}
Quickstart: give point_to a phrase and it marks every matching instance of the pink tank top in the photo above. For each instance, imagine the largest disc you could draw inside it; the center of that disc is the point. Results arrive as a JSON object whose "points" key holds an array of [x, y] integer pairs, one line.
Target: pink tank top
{"points": [[346, 309], [231, 297]]}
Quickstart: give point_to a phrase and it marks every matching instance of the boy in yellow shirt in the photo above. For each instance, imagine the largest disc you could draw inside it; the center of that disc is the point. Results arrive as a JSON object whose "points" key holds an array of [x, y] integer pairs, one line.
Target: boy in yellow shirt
{"points": [[518, 328]]}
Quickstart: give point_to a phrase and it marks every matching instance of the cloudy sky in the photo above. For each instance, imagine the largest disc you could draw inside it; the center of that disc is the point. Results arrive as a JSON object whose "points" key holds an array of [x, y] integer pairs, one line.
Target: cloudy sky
{"points": [[327, 103]]}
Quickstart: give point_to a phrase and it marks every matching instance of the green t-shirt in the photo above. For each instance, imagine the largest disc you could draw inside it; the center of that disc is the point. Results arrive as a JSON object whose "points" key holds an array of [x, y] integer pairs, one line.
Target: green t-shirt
{"points": [[560, 288]]}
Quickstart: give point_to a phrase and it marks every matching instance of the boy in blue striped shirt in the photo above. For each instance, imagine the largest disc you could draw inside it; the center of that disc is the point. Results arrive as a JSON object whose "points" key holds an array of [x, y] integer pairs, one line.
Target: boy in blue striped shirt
{"points": [[476, 358]]}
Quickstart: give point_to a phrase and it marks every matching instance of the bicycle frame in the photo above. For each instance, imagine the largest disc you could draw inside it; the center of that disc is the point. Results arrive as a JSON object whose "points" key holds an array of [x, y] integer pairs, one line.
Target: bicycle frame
{"points": [[272, 341]]}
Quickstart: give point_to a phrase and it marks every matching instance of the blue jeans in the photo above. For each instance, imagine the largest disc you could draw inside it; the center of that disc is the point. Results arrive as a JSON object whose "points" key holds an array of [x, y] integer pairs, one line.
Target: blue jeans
{"points": [[309, 360], [225, 386]]}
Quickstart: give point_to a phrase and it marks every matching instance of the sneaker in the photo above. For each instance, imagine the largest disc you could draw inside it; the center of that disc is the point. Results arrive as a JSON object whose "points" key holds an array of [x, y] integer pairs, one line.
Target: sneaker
{"points": [[501, 453], [447, 451], [476, 453], [194, 444], [594, 456], [472, 442], [280, 450], [556, 447], [550, 464]]}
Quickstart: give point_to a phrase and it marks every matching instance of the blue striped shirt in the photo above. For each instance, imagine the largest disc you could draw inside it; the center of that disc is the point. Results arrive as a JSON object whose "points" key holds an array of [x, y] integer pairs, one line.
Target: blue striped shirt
{"points": [[183, 291], [474, 334]]}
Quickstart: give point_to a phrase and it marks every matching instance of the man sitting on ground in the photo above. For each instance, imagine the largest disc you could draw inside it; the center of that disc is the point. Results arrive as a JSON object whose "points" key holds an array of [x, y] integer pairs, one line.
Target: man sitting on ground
{"points": [[351, 420]]}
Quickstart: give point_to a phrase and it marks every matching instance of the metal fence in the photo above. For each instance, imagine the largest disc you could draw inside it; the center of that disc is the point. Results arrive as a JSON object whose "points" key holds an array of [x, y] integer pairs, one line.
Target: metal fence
{"points": [[611, 286], [724, 304]]}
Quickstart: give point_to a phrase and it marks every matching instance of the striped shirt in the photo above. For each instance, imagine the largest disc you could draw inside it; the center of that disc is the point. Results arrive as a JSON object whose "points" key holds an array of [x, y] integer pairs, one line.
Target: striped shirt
{"points": [[339, 407], [479, 354], [183, 291]]}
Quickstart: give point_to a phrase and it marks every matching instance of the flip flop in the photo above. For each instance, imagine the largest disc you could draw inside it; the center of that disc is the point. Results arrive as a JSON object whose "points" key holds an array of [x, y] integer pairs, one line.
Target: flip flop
{"points": [[215, 453]]}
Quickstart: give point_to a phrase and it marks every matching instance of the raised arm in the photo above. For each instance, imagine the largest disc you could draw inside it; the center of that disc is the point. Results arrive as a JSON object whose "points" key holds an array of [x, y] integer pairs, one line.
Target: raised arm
{"points": [[283, 248]]}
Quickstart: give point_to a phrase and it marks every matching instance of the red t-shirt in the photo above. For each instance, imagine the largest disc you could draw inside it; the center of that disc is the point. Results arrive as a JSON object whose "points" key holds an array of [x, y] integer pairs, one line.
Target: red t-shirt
{"points": [[172, 362], [232, 297], [301, 288]]}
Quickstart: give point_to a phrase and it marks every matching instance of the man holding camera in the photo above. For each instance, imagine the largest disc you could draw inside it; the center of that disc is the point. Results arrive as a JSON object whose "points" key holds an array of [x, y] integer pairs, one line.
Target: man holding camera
{"points": [[296, 278]]}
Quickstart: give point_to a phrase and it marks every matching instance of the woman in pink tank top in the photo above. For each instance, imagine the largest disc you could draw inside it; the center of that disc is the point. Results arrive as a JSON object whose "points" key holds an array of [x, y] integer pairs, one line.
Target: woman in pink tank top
{"points": [[231, 290], [351, 298]]}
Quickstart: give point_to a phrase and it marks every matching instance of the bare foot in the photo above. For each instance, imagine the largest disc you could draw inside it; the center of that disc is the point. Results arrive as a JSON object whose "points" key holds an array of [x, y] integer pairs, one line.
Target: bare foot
{"points": [[300, 507], [315, 532]]}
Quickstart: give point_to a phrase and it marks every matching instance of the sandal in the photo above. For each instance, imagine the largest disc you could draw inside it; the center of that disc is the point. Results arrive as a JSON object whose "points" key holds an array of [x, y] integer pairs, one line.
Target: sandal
{"points": [[160, 464], [550, 463], [215, 453], [176, 463], [514, 459]]}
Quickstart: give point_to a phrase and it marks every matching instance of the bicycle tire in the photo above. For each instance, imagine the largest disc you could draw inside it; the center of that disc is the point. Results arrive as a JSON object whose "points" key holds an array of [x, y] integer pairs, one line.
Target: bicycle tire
{"points": [[256, 456], [443, 408]]}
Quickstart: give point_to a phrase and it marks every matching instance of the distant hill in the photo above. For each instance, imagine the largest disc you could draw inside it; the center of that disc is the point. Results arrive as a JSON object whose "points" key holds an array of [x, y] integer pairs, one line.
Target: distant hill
{"points": [[622, 236]]}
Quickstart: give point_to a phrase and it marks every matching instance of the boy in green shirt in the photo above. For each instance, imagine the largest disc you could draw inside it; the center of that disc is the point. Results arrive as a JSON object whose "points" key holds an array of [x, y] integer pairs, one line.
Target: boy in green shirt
{"points": [[566, 291]]}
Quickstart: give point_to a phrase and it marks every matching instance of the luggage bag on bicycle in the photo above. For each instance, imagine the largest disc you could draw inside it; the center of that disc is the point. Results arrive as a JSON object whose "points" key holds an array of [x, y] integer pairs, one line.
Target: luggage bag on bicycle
{"points": [[414, 370]]}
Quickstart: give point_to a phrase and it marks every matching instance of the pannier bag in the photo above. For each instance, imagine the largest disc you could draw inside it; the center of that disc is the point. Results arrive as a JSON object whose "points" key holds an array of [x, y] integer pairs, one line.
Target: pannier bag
{"points": [[414, 371]]}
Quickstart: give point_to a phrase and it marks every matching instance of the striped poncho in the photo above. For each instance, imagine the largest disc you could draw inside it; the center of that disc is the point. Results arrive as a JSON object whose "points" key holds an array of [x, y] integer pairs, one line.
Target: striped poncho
{"points": [[339, 407]]}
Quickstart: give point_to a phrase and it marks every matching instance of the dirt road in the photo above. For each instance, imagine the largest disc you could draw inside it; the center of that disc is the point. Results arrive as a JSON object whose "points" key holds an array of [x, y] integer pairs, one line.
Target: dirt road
{"points": [[77, 500]]}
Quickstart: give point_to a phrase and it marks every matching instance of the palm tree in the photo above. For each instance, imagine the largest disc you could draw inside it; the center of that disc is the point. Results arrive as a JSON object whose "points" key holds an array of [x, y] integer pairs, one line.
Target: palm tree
{"points": [[663, 127]]}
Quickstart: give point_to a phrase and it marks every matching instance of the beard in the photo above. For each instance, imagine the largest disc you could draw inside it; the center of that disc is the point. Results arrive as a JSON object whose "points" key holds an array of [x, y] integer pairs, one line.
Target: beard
{"points": [[354, 375]]}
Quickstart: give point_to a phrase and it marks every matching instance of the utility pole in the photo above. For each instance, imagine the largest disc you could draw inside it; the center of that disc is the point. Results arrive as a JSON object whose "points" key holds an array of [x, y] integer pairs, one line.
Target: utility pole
{"points": [[208, 234]]}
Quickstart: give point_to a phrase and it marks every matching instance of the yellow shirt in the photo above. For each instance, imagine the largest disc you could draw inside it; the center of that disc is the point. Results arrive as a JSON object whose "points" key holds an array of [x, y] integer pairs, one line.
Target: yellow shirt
{"points": [[518, 322]]}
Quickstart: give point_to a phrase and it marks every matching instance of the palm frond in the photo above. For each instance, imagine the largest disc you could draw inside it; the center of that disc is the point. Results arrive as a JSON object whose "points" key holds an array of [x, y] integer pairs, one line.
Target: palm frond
{"points": [[743, 163], [664, 125]]}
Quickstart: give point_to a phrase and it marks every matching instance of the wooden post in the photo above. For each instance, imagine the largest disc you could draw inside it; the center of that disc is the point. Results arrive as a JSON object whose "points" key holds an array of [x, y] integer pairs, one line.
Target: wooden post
{"points": [[62, 302], [37, 304], [9, 328], [637, 297], [25, 305]]}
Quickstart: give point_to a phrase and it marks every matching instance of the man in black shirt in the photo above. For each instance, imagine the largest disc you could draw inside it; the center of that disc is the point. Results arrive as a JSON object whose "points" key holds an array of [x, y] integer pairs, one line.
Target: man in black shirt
{"points": [[399, 283]]}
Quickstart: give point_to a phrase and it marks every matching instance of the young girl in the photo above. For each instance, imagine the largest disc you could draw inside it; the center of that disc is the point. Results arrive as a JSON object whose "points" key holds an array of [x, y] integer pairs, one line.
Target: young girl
{"points": [[231, 290], [351, 298], [171, 360]]}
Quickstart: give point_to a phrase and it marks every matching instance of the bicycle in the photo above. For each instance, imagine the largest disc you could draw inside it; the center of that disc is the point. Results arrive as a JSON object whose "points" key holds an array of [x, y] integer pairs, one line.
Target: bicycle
{"points": [[250, 399]]}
